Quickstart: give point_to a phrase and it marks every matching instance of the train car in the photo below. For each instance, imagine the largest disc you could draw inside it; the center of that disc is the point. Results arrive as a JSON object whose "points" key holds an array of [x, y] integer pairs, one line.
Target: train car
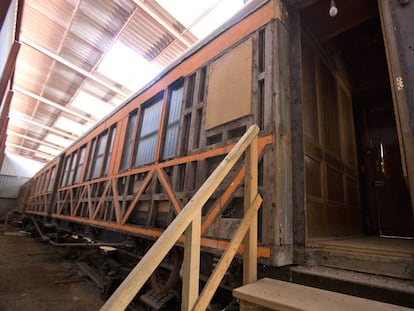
{"points": [[331, 91]]}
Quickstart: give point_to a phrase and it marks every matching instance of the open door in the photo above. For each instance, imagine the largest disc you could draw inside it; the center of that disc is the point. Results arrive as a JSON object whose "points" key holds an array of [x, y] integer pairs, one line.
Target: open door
{"points": [[397, 24]]}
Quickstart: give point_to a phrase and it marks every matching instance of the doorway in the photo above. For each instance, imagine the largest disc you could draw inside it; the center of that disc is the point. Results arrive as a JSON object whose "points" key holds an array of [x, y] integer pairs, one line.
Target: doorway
{"points": [[351, 46]]}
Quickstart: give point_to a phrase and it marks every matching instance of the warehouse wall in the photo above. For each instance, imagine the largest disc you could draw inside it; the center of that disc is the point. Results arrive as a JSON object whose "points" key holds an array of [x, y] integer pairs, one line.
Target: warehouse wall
{"points": [[14, 173]]}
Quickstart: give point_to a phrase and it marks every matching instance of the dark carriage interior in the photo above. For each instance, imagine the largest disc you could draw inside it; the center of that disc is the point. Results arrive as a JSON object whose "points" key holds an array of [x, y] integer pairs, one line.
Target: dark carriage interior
{"points": [[354, 152]]}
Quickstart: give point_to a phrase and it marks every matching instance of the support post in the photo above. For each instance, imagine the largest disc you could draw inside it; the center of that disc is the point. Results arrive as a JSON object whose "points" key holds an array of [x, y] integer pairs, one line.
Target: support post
{"points": [[250, 193], [191, 264]]}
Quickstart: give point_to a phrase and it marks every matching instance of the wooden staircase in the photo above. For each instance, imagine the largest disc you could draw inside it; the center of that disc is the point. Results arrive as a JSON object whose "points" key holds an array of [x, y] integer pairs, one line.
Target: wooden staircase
{"points": [[270, 294], [188, 221]]}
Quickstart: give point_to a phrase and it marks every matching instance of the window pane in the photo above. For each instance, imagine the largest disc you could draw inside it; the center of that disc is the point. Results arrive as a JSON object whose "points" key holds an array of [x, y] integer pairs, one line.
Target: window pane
{"points": [[129, 136], [80, 164], [100, 148], [147, 141], [51, 179], [109, 152], [171, 134], [65, 174], [72, 168]]}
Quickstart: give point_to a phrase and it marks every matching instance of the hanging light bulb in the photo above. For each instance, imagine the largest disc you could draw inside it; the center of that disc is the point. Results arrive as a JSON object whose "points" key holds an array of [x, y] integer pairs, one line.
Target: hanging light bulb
{"points": [[333, 10]]}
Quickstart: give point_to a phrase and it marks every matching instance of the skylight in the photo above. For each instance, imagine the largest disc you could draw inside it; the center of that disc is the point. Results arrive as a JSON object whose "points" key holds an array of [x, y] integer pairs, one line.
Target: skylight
{"points": [[54, 139], [71, 126], [188, 11], [91, 105], [48, 150], [127, 67]]}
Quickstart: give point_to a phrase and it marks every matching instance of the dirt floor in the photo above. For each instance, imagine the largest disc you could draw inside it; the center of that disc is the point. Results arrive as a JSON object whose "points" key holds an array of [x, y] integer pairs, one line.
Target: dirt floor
{"points": [[33, 277]]}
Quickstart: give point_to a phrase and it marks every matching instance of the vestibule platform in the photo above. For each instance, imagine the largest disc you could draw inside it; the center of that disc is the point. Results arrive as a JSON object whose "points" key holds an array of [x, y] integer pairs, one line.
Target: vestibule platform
{"points": [[391, 257]]}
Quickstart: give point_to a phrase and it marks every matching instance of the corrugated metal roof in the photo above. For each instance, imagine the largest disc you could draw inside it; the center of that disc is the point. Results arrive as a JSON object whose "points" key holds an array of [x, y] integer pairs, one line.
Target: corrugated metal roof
{"points": [[81, 32]]}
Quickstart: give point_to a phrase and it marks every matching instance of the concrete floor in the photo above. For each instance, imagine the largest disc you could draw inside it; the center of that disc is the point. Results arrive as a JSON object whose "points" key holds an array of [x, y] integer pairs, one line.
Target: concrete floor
{"points": [[33, 277]]}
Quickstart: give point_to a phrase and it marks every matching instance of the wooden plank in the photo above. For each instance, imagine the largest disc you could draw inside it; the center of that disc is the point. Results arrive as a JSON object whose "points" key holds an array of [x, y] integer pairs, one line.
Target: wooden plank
{"points": [[137, 196], [191, 263], [167, 187], [298, 195], [279, 295]]}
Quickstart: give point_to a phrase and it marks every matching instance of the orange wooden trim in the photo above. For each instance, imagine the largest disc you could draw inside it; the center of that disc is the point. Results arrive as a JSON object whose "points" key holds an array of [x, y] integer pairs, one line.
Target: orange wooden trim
{"points": [[170, 192], [220, 202], [116, 202], [89, 201], [79, 201], [116, 148], [101, 199], [161, 133], [62, 203], [262, 251], [137, 126], [137, 196], [71, 202], [262, 142]]}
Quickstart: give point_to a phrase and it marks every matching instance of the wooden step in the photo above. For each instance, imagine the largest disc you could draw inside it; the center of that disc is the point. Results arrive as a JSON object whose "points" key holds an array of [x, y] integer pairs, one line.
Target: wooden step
{"points": [[278, 295]]}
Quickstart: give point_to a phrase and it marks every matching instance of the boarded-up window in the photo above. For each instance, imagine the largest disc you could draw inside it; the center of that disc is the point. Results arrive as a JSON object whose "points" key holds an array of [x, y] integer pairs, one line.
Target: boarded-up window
{"points": [[173, 121], [129, 140], [229, 93], [147, 140]]}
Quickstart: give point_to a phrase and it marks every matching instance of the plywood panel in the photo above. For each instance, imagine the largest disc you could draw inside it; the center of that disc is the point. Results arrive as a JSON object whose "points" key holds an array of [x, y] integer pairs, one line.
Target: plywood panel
{"points": [[229, 93]]}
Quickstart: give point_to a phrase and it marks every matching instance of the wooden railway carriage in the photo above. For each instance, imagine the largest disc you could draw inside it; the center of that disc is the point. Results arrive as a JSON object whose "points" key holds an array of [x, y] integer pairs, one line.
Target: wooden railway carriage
{"points": [[316, 86]]}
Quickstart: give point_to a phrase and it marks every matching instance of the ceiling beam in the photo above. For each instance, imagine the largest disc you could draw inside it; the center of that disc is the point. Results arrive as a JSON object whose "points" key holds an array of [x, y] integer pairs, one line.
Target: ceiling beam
{"points": [[41, 142], [79, 70], [170, 28], [46, 155], [52, 104], [50, 129]]}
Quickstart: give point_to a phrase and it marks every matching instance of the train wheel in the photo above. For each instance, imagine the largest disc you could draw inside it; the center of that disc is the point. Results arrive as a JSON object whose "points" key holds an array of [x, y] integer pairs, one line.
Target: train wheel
{"points": [[167, 274]]}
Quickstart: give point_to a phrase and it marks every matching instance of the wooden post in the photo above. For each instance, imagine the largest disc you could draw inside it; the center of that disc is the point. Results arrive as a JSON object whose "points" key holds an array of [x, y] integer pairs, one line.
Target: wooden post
{"points": [[250, 193], [191, 264]]}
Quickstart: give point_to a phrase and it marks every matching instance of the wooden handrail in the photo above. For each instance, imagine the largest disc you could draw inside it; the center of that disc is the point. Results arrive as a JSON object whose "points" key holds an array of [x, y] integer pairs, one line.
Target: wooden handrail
{"points": [[189, 220]]}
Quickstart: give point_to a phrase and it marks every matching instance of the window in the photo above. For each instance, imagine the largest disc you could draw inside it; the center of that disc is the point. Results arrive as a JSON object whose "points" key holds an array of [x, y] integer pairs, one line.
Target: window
{"points": [[65, 171], [129, 140], [108, 152], [51, 179], [78, 171], [74, 159], [173, 121], [147, 140], [99, 155]]}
